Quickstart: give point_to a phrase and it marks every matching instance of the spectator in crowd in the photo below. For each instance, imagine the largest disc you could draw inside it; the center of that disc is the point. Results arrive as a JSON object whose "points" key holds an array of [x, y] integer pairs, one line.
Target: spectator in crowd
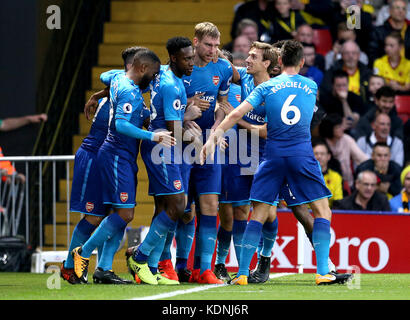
{"points": [[396, 22], [358, 72], [246, 27], [381, 134], [239, 59], [259, 11], [394, 68], [343, 34], [344, 148], [304, 34], [241, 44], [384, 13], [340, 15], [342, 101], [309, 70], [286, 21], [400, 203], [387, 171], [384, 101], [316, 13], [333, 179], [13, 123], [365, 196], [375, 83]]}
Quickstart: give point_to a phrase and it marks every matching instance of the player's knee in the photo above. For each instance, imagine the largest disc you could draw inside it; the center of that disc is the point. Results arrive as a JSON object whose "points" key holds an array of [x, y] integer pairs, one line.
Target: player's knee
{"points": [[127, 214], [94, 220], [241, 212], [209, 205]]}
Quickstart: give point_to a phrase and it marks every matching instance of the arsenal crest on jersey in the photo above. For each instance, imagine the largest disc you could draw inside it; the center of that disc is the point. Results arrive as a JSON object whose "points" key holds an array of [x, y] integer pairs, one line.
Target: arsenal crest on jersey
{"points": [[89, 206], [124, 196], [177, 184], [215, 80], [238, 97]]}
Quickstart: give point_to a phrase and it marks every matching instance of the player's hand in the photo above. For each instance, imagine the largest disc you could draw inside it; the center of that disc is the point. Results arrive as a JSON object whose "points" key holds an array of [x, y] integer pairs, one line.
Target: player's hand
{"points": [[203, 105], [36, 118], [165, 138], [208, 150], [90, 107], [226, 107], [192, 112], [192, 129], [222, 143]]}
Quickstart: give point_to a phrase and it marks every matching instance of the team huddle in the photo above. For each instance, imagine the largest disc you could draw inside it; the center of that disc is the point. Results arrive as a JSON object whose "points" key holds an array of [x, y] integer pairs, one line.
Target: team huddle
{"points": [[219, 140]]}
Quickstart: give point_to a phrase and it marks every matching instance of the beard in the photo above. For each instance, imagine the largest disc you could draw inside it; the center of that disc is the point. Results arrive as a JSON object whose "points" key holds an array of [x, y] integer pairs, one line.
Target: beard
{"points": [[145, 81]]}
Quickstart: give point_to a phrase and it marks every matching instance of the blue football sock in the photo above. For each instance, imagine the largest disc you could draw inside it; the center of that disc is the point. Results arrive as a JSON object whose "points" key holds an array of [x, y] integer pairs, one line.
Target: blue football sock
{"points": [[184, 237], [156, 236], [81, 234], [100, 249], [224, 242], [110, 248], [238, 230], [166, 252], [269, 233], [250, 242], [259, 248], [110, 226], [321, 244], [207, 240]]}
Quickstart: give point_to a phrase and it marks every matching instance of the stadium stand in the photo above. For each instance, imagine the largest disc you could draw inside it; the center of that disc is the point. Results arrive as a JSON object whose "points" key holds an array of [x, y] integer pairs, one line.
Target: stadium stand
{"points": [[403, 107]]}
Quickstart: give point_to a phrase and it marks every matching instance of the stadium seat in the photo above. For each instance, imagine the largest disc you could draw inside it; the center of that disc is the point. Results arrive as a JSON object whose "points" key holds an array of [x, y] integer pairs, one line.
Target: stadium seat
{"points": [[322, 39], [403, 107]]}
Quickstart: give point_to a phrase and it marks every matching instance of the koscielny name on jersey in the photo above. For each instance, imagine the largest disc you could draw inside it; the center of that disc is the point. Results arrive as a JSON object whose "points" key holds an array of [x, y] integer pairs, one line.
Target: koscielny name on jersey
{"points": [[291, 84]]}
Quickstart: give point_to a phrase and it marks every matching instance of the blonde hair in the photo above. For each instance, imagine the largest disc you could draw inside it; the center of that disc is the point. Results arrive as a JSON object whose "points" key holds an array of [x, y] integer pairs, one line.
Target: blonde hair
{"points": [[206, 29], [268, 53]]}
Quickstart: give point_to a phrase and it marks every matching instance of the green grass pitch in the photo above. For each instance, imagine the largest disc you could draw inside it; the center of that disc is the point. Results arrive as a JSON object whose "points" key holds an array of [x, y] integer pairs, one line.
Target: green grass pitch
{"points": [[28, 286]]}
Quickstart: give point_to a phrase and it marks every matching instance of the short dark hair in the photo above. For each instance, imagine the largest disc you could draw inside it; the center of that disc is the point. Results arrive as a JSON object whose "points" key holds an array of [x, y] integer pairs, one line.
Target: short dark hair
{"points": [[279, 44], [177, 43], [321, 142], [128, 54], [381, 144], [328, 123], [291, 53], [339, 74], [145, 55], [385, 91]]}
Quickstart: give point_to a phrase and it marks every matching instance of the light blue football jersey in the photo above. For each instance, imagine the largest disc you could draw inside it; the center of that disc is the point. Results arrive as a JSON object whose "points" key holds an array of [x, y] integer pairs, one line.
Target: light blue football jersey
{"points": [[289, 102], [213, 80], [126, 103], [168, 99]]}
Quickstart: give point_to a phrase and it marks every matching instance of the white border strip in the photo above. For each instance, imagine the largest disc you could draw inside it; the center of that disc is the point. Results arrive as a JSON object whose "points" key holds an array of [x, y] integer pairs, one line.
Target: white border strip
{"points": [[197, 289]]}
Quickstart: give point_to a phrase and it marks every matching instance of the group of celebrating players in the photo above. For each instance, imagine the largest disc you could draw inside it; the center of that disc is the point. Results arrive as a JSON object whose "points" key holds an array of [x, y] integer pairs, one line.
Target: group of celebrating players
{"points": [[195, 101]]}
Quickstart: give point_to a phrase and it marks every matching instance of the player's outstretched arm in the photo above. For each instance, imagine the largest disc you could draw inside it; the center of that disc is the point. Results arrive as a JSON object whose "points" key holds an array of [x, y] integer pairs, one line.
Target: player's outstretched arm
{"points": [[261, 129], [163, 137], [209, 148], [9, 124]]}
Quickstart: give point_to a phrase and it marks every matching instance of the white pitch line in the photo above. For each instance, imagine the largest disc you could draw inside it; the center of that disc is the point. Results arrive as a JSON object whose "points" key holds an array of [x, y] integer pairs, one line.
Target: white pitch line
{"points": [[197, 289]]}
